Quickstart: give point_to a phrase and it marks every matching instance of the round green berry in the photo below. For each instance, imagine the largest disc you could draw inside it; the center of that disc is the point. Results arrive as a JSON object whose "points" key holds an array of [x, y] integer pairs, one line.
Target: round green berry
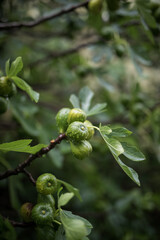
{"points": [[25, 212], [46, 184], [42, 214], [61, 119], [48, 199], [6, 87], [90, 128], [77, 132], [95, 6], [81, 149], [76, 114]]}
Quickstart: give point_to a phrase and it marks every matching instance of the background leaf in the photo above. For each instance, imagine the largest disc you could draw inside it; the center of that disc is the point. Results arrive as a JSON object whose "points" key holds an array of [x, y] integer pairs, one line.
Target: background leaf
{"points": [[85, 97]]}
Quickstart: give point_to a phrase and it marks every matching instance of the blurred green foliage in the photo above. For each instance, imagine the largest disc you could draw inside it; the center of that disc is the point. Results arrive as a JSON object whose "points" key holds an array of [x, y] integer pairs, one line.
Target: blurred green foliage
{"points": [[122, 69]]}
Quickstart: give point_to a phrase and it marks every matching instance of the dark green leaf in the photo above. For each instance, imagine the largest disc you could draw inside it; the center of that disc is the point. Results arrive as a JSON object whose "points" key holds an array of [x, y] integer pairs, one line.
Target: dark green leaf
{"points": [[72, 189], [60, 234], [120, 132], [7, 67], [25, 87], [132, 152]]}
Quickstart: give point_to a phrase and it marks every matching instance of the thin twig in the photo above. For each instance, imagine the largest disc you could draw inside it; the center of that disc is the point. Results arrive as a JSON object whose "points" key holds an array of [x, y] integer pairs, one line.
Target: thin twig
{"points": [[29, 175], [46, 17], [20, 168], [21, 224]]}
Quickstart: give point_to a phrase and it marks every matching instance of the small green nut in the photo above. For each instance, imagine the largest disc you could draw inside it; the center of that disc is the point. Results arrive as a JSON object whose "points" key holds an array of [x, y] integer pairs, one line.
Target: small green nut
{"points": [[90, 128], [95, 6], [26, 212], [42, 214], [76, 114], [81, 149], [61, 119], [7, 87], [3, 105], [48, 199], [46, 184], [77, 132]]}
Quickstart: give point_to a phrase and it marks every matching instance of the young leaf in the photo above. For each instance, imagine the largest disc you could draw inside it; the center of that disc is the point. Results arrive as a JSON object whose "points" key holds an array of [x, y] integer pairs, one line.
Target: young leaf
{"points": [[120, 132], [7, 67], [85, 97], [74, 101], [25, 87], [98, 108], [71, 189], [105, 129], [76, 228], [15, 68], [64, 199], [132, 152], [129, 171], [21, 146]]}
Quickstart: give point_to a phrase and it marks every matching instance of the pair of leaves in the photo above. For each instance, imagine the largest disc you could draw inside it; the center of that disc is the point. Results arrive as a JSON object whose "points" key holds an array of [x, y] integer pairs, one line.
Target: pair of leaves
{"points": [[13, 70], [117, 148], [83, 101]]}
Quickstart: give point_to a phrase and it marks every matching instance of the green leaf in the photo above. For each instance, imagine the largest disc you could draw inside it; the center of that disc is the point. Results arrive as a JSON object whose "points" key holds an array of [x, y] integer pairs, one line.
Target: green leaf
{"points": [[132, 152], [85, 97], [7, 231], [120, 132], [7, 67], [74, 101], [98, 108], [45, 232], [70, 188], [60, 234], [105, 129], [25, 87], [129, 171], [76, 228], [21, 146], [64, 199], [16, 67]]}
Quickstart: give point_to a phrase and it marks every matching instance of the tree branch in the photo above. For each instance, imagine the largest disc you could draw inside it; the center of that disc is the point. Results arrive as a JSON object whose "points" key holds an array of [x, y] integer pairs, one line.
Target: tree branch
{"points": [[29, 24], [21, 167]]}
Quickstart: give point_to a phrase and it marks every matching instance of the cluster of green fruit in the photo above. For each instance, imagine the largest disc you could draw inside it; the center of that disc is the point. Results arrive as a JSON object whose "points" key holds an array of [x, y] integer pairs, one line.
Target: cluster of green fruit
{"points": [[95, 6], [7, 90], [43, 213], [78, 130]]}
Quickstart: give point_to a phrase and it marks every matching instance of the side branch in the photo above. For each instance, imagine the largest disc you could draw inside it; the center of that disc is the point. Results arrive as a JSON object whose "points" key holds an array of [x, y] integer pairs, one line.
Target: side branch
{"points": [[29, 24], [20, 168]]}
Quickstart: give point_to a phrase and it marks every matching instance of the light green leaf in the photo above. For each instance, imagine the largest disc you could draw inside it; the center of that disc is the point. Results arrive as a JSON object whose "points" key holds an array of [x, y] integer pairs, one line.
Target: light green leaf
{"points": [[64, 199], [105, 129], [98, 108], [74, 101], [85, 97], [16, 67], [129, 171], [132, 152], [76, 228], [25, 87], [7, 67], [21, 146], [120, 132], [70, 188]]}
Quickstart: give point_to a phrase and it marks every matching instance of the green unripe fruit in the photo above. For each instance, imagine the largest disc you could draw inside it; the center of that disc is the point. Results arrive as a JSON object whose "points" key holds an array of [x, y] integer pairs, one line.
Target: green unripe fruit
{"points": [[6, 87], [95, 6], [61, 119], [90, 128], [81, 149], [120, 50], [113, 5], [26, 212], [77, 132], [48, 199], [76, 114], [13, 91], [46, 184], [42, 214], [3, 105]]}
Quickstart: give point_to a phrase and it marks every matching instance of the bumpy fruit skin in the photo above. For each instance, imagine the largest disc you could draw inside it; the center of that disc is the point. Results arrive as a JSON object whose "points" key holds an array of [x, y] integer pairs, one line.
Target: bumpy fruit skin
{"points": [[46, 184], [90, 128], [25, 212], [3, 105], [77, 132], [42, 214], [76, 114], [48, 199], [81, 149], [113, 5], [61, 119], [95, 6], [6, 87]]}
